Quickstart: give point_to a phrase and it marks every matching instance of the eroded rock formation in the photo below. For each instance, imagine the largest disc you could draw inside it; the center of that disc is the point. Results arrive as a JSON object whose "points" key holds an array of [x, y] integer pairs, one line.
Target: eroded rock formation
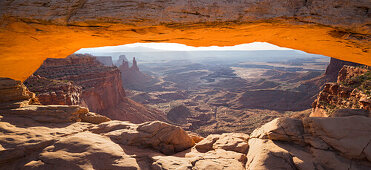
{"points": [[352, 90], [57, 92], [34, 30], [101, 88], [71, 137]]}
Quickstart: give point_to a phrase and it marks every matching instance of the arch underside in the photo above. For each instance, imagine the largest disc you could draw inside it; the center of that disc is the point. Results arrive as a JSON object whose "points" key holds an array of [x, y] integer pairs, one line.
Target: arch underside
{"points": [[26, 40]]}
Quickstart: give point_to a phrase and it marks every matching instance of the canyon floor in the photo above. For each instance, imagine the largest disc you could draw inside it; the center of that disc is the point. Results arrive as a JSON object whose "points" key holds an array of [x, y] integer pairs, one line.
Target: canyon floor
{"points": [[235, 95]]}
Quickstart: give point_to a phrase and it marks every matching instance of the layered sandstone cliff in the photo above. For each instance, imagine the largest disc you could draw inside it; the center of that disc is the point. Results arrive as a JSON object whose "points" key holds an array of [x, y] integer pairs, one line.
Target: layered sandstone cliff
{"points": [[71, 137], [51, 91], [14, 94], [352, 90], [101, 87]]}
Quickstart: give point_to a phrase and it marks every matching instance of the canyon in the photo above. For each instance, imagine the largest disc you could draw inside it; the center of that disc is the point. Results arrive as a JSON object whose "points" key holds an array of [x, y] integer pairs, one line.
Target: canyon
{"points": [[72, 137], [216, 92], [80, 131]]}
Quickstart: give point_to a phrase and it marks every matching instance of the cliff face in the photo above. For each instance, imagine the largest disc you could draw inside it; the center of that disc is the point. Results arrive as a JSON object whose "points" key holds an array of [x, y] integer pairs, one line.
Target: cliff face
{"points": [[351, 91], [101, 87], [14, 94], [342, 13], [335, 66], [49, 91]]}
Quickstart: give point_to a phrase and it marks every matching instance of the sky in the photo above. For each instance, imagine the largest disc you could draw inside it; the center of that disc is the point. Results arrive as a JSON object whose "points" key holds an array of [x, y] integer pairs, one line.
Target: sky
{"points": [[149, 47]]}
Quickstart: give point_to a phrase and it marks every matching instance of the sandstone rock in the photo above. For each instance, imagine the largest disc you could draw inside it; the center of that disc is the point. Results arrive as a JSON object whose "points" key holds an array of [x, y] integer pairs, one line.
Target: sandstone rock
{"points": [[195, 137], [335, 65], [281, 129], [101, 88], [344, 24], [56, 114], [86, 151], [14, 94], [330, 160], [351, 112], [329, 143], [348, 72], [93, 118], [236, 142], [101, 85], [348, 135], [264, 154], [54, 92], [161, 136], [350, 92]]}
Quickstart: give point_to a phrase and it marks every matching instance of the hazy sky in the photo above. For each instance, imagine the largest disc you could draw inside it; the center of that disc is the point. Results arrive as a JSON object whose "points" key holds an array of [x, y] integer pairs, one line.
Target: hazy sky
{"points": [[147, 47]]}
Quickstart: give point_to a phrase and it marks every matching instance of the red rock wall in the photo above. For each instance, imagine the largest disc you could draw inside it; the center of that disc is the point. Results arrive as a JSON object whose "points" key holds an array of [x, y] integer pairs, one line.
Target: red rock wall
{"points": [[101, 87]]}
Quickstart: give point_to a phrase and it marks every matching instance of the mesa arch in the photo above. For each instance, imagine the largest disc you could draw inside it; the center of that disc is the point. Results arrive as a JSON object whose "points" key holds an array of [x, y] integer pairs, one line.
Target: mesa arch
{"points": [[32, 30]]}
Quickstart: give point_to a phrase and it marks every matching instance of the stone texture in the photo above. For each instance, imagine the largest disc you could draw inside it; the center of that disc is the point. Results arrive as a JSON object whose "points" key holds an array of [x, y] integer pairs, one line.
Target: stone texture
{"points": [[159, 135], [282, 129], [14, 94], [28, 143], [236, 142], [56, 137], [32, 30], [348, 135], [57, 114], [347, 72], [332, 70], [334, 13], [325, 143], [99, 88], [50, 91], [351, 91]]}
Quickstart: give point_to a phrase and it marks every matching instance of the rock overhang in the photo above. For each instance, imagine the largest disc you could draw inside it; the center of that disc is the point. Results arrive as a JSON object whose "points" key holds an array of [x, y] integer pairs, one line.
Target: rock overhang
{"points": [[32, 31]]}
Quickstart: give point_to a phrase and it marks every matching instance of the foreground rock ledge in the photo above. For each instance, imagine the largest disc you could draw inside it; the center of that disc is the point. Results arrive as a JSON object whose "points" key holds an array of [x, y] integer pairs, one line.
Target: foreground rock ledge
{"points": [[28, 142], [71, 137]]}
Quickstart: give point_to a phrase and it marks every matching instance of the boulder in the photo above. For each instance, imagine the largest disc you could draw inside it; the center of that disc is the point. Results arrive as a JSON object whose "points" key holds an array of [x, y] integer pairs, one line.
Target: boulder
{"points": [[236, 142], [281, 129], [161, 136], [84, 150]]}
